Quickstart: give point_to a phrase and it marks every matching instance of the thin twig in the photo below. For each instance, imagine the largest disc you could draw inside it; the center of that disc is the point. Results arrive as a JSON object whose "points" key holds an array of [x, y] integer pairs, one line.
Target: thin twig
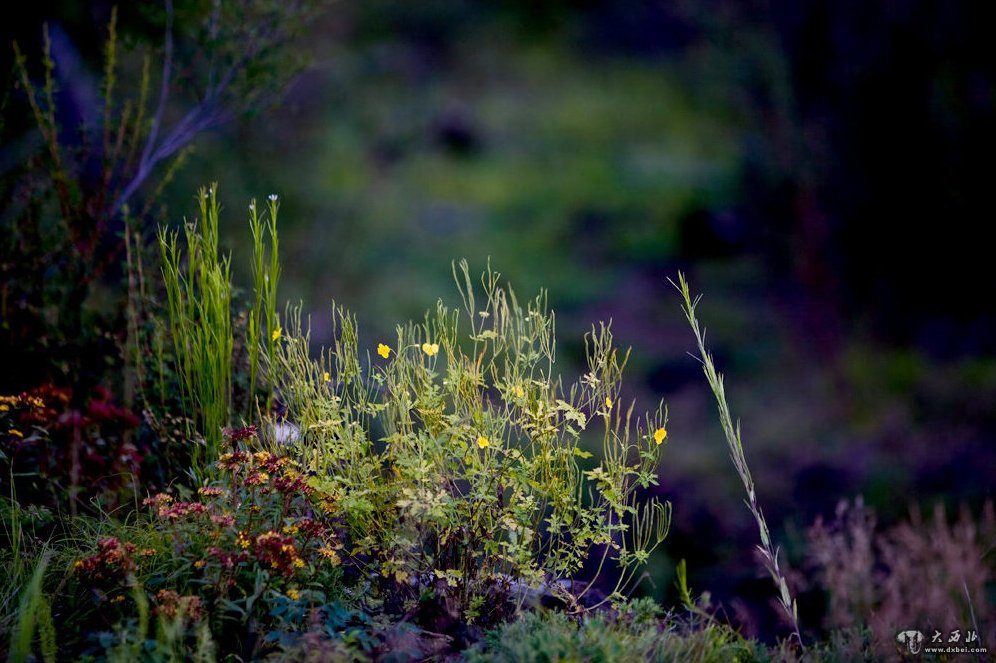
{"points": [[163, 85]]}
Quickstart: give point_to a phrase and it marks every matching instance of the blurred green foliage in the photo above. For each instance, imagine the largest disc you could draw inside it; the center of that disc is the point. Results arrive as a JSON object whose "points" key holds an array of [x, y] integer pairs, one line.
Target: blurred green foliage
{"points": [[560, 171]]}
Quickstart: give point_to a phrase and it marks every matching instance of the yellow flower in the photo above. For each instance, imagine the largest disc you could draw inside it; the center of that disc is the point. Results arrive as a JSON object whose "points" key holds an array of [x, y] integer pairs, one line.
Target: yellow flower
{"points": [[384, 350], [15, 432], [483, 442], [430, 348], [293, 594], [519, 391], [608, 403], [326, 376], [199, 564], [276, 334], [660, 435], [330, 554]]}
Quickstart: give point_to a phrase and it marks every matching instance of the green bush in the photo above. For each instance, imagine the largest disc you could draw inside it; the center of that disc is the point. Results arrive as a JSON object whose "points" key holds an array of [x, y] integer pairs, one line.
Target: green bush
{"points": [[457, 460]]}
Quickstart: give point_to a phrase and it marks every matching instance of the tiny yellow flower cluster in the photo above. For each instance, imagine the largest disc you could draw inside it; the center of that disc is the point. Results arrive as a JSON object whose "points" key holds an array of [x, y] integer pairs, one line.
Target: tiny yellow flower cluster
{"points": [[276, 334], [329, 553], [430, 349]]}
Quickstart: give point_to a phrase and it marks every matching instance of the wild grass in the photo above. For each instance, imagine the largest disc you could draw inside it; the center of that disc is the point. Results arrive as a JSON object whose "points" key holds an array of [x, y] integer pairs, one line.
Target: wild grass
{"points": [[767, 550], [263, 327], [925, 574], [34, 618], [199, 295], [639, 632]]}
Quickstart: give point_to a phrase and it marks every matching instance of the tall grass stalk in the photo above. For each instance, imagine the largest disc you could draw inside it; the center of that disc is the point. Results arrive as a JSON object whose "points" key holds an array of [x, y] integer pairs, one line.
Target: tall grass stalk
{"points": [[263, 322], [769, 552], [34, 615], [199, 305]]}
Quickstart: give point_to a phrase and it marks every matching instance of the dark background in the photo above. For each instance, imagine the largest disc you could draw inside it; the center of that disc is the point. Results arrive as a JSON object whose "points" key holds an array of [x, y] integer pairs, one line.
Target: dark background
{"points": [[822, 170]]}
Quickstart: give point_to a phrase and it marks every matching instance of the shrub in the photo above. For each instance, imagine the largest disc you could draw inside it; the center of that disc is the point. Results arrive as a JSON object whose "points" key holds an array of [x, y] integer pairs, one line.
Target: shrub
{"points": [[457, 461]]}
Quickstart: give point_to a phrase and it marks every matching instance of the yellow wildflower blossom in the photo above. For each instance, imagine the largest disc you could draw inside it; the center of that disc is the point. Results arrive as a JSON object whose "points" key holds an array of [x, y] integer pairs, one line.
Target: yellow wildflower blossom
{"points": [[15, 432], [384, 350], [430, 348], [293, 595], [329, 553], [608, 403], [277, 333], [660, 435], [519, 391], [483, 442], [326, 376]]}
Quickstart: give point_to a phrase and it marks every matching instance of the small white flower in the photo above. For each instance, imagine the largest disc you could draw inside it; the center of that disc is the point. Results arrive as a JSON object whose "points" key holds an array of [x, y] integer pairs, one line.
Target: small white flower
{"points": [[252, 207], [285, 432], [273, 197]]}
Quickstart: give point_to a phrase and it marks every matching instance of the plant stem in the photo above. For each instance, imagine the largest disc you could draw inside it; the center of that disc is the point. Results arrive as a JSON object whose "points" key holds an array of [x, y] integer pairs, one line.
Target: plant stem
{"points": [[769, 553]]}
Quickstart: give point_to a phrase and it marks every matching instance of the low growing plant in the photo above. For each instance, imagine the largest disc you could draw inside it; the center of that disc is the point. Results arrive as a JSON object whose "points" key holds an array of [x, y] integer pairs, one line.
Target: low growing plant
{"points": [[457, 460], [636, 632], [257, 537], [925, 574]]}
